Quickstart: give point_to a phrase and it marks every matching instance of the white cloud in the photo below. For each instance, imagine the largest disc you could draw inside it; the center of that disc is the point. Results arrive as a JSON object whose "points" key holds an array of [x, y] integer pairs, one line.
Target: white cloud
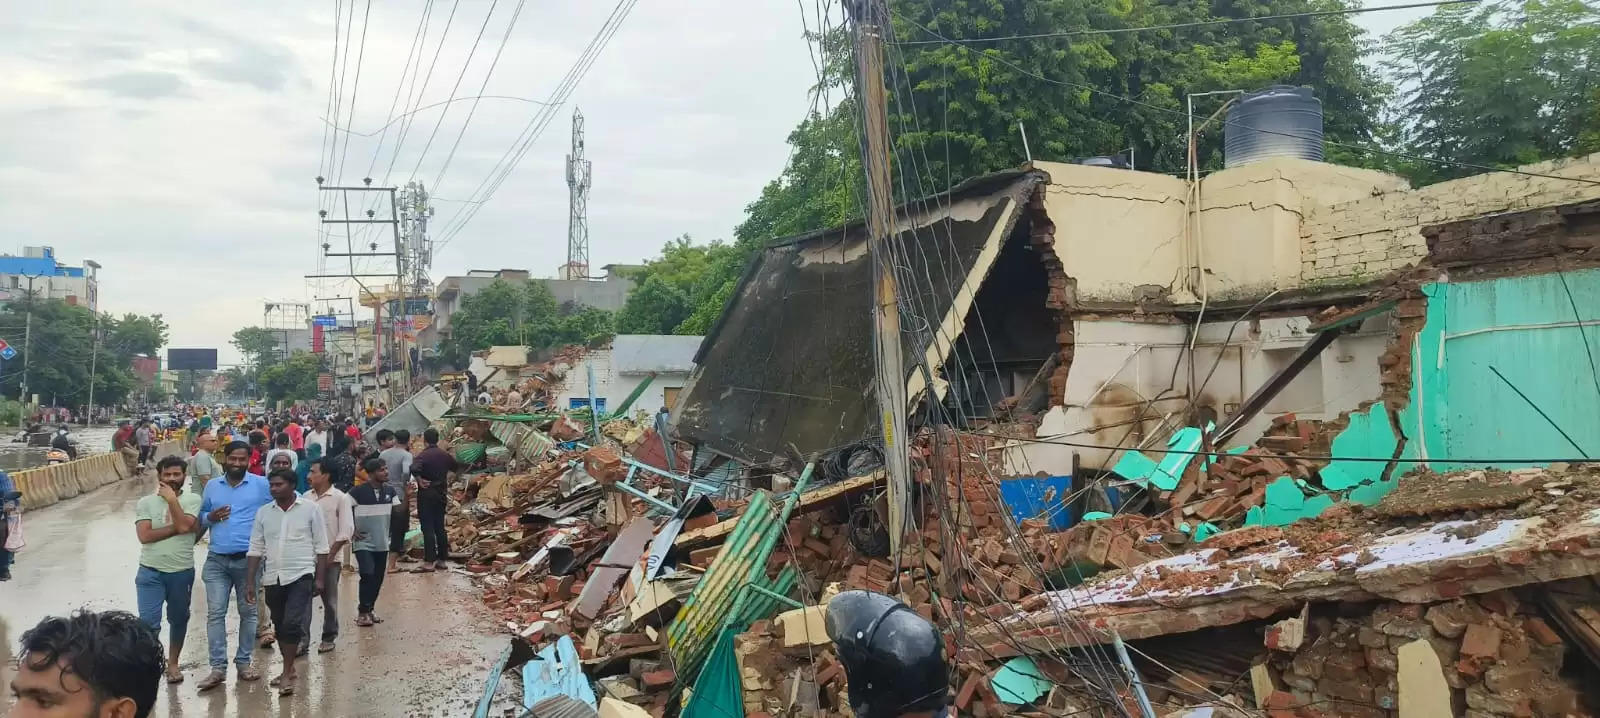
{"points": [[176, 144]]}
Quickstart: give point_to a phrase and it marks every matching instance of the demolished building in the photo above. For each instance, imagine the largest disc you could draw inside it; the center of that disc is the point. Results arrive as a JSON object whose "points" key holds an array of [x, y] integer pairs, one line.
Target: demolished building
{"points": [[1298, 440]]}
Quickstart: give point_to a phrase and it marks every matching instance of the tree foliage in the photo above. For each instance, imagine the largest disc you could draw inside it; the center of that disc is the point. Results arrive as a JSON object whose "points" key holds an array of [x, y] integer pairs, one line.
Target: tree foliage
{"points": [[66, 351], [526, 313], [259, 345], [292, 379], [682, 291], [1500, 85]]}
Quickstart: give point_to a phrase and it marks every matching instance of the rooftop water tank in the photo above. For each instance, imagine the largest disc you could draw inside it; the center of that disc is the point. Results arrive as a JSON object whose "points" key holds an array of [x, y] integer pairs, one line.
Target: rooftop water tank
{"points": [[1279, 121]]}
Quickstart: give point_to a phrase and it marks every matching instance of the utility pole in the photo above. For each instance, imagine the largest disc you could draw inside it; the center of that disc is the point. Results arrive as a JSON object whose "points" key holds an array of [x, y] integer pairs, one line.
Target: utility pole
{"points": [[869, 19], [27, 340], [578, 175], [94, 360]]}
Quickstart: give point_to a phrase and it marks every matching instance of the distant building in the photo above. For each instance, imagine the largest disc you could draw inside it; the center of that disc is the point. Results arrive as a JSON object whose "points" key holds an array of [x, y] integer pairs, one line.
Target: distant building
{"points": [[51, 279], [665, 360]]}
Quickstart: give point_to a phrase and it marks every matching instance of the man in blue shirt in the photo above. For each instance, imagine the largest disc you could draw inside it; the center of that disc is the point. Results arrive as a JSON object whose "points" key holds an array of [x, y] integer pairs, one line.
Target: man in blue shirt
{"points": [[228, 510]]}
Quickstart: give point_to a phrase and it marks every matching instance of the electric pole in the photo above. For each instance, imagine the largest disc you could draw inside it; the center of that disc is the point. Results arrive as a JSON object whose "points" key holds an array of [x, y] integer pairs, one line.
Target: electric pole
{"points": [[94, 360], [27, 340], [577, 266], [869, 19]]}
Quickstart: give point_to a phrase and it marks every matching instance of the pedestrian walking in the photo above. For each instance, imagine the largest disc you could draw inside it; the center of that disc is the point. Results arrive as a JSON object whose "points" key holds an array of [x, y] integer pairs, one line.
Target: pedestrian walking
{"points": [[88, 664], [228, 511], [434, 468], [396, 455], [166, 524], [289, 545], [340, 522], [144, 437], [203, 467], [374, 510], [318, 436], [297, 437]]}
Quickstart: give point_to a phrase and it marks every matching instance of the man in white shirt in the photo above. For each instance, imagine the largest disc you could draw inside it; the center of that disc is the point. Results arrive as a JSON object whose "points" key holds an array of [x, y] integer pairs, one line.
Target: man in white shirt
{"points": [[338, 514], [319, 437], [289, 549]]}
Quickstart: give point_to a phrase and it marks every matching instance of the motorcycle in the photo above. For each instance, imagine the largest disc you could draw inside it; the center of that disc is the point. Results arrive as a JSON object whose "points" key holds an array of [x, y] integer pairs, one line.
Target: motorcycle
{"points": [[56, 456]]}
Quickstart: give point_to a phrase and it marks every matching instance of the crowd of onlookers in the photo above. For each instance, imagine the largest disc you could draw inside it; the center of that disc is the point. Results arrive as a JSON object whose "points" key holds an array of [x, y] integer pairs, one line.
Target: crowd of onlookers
{"points": [[282, 505]]}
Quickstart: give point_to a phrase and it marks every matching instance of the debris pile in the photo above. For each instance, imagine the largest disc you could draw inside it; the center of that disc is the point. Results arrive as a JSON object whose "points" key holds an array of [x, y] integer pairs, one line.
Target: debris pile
{"points": [[1482, 655]]}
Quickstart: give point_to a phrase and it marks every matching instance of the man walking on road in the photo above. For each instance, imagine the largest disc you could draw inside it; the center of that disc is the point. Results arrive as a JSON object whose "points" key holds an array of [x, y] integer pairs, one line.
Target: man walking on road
{"points": [[289, 545], [166, 523], [340, 523], [318, 436], [374, 509], [203, 466], [433, 468], [228, 510], [142, 436], [396, 457]]}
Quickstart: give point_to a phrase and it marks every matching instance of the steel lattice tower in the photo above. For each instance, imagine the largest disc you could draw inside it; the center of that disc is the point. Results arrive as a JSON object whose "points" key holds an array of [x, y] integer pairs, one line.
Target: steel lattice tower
{"points": [[577, 266]]}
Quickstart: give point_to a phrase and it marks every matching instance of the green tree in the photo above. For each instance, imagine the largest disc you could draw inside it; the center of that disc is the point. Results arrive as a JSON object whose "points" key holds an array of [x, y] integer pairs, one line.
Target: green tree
{"points": [[1501, 84], [259, 345], [669, 290], [64, 354], [292, 379], [134, 334], [509, 313], [238, 381]]}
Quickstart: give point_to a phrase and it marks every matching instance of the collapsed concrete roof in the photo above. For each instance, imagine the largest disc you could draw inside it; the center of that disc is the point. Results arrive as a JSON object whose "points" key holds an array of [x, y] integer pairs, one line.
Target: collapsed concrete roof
{"points": [[789, 362]]}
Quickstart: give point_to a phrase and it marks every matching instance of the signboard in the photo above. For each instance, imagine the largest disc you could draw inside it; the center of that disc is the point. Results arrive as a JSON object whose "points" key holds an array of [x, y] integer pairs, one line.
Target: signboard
{"points": [[317, 340], [411, 307], [192, 359], [325, 385], [6, 352], [325, 320]]}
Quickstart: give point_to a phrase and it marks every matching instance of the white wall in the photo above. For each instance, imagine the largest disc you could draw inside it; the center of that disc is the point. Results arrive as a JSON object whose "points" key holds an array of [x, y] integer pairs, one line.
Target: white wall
{"points": [[614, 387], [1122, 389]]}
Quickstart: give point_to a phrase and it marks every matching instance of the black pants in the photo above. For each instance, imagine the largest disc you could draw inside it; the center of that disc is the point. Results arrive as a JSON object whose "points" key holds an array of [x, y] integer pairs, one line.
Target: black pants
{"points": [[289, 604], [145, 452], [371, 567], [435, 543]]}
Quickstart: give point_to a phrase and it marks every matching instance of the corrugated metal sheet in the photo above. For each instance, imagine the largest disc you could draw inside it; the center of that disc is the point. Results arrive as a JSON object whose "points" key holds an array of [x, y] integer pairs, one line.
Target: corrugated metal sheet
{"points": [[721, 598], [524, 441], [561, 707]]}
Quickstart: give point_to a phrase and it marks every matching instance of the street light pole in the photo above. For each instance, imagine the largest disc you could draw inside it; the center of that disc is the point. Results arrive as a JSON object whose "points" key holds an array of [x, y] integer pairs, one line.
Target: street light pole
{"points": [[94, 357], [27, 340]]}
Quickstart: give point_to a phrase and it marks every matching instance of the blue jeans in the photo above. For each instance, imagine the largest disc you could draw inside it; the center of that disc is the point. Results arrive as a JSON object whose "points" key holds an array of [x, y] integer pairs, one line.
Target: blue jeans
{"points": [[174, 589], [224, 576]]}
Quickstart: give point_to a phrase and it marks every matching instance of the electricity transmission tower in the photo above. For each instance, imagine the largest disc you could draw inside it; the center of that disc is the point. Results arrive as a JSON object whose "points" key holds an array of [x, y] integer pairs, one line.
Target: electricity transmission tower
{"points": [[577, 266]]}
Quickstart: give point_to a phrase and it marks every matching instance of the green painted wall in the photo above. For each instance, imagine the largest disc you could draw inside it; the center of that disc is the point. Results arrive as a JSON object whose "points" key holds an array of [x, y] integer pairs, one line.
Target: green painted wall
{"points": [[1459, 409]]}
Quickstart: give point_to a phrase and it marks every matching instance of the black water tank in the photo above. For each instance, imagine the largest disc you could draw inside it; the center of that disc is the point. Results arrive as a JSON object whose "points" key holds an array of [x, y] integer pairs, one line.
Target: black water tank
{"points": [[1279, 121]]}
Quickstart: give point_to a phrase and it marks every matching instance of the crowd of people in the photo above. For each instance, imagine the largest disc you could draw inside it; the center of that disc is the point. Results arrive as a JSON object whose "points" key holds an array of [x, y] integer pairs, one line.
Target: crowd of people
{"points": [[283, 505]]}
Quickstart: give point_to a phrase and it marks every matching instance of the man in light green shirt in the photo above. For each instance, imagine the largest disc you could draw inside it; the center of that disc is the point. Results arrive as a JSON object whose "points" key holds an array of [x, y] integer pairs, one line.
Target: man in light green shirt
{"points": [[203, 465], [167, 523]]}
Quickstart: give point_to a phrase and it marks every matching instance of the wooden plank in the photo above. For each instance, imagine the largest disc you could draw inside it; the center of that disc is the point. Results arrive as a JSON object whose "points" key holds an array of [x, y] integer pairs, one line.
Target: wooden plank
{"points": [[808, 501]]}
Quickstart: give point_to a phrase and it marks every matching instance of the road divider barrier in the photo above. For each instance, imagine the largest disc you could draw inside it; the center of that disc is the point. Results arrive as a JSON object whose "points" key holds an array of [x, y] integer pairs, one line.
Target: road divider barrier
{"points": [[45, 485]]}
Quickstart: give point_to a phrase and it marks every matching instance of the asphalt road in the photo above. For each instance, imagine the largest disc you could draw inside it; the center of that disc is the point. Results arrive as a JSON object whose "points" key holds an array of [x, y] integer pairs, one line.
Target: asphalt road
{"points": [[430, 657]]}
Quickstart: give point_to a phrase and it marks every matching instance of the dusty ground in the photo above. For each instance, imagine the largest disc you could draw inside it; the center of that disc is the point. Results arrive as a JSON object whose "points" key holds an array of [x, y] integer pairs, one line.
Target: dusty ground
{"points": [[429, 658]]}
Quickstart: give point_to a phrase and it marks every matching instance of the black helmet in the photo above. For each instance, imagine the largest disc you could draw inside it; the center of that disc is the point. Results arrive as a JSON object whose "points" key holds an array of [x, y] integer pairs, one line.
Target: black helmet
{"points": [[893, 658]]}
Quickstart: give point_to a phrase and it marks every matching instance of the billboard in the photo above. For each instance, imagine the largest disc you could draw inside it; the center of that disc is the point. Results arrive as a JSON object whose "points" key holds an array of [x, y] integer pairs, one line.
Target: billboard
{"points": [[181, 359]]}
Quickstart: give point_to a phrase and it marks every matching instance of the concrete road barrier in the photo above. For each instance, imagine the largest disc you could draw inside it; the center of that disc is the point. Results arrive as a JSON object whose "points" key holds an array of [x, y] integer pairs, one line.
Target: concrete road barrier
{"points": [[45, 485]]}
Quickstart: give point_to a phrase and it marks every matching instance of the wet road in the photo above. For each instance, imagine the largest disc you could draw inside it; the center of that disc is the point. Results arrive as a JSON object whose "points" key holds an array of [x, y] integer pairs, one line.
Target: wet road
{"points": [[15, 456], [429, 658]]}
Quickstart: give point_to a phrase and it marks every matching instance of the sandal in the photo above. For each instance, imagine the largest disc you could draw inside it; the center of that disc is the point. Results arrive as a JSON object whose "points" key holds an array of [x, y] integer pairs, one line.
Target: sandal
{"points": [[375, 618], [249, 673], [286, 689], [174, 676], [266, 640], [364, 620], [325, 647]]}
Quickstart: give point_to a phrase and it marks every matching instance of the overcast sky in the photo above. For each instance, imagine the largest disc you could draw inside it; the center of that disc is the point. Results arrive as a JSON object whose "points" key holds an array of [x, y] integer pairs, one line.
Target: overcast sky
{"points": [[176, 143]]}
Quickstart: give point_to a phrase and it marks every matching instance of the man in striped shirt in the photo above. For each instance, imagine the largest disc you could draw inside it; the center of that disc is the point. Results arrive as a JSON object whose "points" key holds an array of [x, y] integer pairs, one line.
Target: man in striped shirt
{"points": [[374, 502]]}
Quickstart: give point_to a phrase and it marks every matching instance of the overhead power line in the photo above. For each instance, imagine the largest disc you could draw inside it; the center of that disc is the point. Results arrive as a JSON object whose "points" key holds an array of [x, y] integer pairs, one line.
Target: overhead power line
{"points": [[459, 76], [537, 124], [481, 89], [1000, 58], [1198, 23]]}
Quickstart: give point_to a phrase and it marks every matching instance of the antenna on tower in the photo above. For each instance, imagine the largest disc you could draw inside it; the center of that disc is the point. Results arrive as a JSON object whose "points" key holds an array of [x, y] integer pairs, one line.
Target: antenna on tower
{"points": [[577, 266]]}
